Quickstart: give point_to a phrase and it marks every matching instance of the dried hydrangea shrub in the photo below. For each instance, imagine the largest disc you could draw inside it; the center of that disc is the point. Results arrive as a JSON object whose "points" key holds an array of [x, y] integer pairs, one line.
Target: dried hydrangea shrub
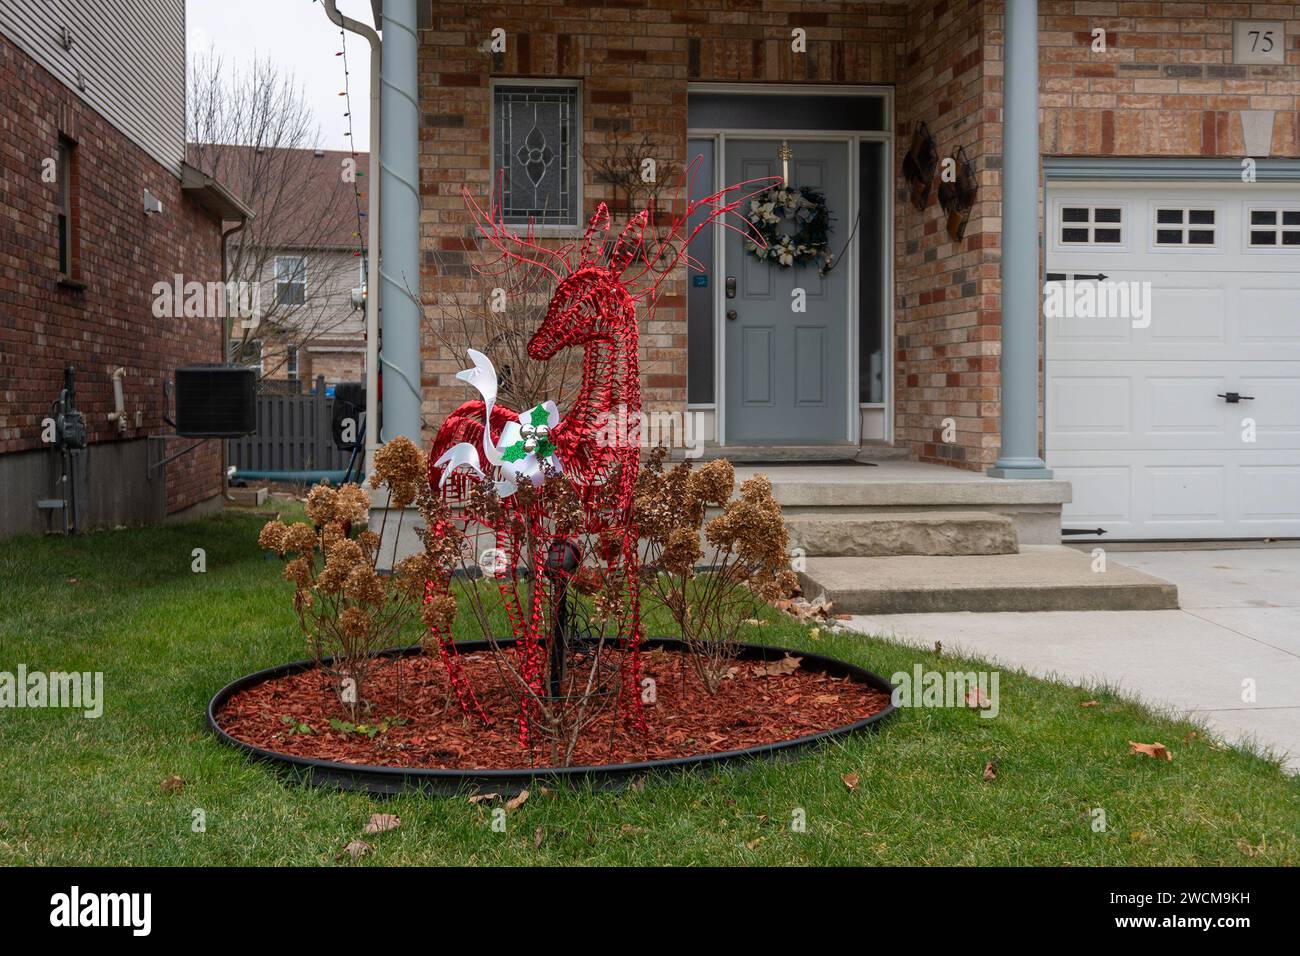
{"points": [[346, 609], [711, 593]]}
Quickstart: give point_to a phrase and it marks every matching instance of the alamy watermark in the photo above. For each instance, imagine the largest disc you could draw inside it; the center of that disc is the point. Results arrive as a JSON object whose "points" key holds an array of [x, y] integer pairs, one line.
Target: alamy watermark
{"points": [[620, 429], [207, 300], [922, 688], [1100, 299], [35, 690]]}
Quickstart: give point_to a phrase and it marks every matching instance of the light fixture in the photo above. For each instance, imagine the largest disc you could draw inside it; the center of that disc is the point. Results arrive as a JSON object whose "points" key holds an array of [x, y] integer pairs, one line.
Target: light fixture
{"points": [[786, 154]]}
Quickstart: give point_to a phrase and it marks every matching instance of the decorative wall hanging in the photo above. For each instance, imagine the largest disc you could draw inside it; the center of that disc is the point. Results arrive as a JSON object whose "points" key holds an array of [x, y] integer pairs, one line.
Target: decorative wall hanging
{"points": [[958, 197], [803, 206], [919, 166]]}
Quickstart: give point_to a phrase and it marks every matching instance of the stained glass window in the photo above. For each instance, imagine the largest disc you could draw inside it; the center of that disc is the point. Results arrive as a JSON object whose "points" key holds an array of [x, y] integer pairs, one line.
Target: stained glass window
{"points": [[536, 131]]}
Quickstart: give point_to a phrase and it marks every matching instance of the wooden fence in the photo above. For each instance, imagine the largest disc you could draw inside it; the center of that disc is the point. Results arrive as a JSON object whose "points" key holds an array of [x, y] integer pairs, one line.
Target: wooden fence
{"points": [[293, 434]]}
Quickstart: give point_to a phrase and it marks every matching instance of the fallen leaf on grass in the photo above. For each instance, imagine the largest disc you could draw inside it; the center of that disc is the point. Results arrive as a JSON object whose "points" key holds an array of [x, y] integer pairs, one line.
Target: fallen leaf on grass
{"points": [[1157, 750], [173, 784], [977, 698], [514, 803], [379, 822], [355, 849], [851, 781], [1090, 703], [538, 836], [1249, 850], [991, 771], [753, 843], [484, 797]]}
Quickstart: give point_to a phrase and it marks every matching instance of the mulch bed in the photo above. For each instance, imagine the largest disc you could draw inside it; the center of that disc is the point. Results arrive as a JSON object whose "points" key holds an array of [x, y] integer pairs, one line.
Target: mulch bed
{"points": [[753, 707]]}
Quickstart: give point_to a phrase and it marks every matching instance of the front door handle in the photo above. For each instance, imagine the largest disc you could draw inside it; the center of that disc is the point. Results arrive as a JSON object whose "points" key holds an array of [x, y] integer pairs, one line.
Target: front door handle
{"points": [[731, 315], [731, 287], [1232, 398]]}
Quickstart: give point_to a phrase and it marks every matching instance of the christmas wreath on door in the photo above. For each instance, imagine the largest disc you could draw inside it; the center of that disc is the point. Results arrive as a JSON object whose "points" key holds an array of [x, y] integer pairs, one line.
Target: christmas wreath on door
{"points": [[802, 206]]}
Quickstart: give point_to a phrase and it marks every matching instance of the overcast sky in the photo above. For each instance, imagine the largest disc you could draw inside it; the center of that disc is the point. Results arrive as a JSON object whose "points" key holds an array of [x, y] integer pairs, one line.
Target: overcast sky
{"points": [[299, 37]]}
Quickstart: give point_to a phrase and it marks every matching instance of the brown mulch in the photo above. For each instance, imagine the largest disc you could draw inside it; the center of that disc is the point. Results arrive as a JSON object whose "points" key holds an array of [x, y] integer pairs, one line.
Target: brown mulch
{"points": [[751, 708]]}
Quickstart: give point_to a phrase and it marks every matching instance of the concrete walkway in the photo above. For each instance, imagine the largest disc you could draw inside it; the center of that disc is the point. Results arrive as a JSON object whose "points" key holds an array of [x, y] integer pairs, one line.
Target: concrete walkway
{"points": [[1239, 619]]}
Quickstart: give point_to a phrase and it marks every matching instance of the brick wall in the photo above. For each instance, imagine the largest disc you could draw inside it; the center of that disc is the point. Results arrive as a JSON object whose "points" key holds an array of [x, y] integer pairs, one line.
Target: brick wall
{"points": [[635, 58], [947, 310], [1166, 85], [45, 325]]}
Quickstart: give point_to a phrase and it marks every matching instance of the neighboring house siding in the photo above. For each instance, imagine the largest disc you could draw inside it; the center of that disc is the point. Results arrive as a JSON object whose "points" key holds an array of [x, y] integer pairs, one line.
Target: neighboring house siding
{"points": [[330, 334], [129, 54], [46, 325]]}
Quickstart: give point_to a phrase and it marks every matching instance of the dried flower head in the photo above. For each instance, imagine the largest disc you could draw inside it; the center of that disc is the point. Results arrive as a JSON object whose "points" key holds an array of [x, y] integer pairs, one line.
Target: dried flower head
{"points": [[682, 552], [364, 586], [351, 504], [354, 622], [411, 574], [331, 534], [440, 613], [298, 571], [714, 481], [300, 538], [339, 561], [321, 504], [401, 466], [272, 535]]}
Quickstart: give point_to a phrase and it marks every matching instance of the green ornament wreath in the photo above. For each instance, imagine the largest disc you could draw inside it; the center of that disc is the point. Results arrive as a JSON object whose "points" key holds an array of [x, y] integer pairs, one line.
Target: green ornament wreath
{"points": [[803, 205]]}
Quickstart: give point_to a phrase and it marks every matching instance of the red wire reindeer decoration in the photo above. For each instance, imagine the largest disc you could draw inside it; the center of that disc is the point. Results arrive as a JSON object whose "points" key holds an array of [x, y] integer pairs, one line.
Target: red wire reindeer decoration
{"points": [[594, 307]]}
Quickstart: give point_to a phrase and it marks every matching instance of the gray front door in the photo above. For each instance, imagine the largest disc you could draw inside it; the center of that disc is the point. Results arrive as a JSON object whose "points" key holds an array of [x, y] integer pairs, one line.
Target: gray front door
{"points": [[787, 371]]}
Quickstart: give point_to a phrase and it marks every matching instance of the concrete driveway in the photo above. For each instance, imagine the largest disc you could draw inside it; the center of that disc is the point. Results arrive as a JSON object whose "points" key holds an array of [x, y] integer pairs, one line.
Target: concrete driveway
{"points": [[1239, 621]]}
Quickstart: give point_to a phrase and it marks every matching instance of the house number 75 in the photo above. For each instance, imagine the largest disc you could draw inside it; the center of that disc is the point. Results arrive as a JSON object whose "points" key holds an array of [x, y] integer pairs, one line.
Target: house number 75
{"points": [[1261, 41], [1258, 41]]}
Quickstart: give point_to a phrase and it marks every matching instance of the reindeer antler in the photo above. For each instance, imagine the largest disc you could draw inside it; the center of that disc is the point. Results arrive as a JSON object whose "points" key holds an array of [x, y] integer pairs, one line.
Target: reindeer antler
{"points": [[676, 243], [492, 227]]}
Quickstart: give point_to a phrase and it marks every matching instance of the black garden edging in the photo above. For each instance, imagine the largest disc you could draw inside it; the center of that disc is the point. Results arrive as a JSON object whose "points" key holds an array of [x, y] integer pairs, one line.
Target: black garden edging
{"points": [[449, 782]]}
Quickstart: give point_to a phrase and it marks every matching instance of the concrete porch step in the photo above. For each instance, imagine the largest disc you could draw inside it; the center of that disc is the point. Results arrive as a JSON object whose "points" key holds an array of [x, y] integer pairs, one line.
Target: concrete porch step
{"points": [[1040, 578], [888, 533]]}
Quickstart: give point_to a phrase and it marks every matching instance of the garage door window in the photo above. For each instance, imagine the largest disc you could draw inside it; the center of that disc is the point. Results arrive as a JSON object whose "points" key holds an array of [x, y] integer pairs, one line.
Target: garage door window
{"points": [[1274, 228], [1092, 225], [1182, 226]]}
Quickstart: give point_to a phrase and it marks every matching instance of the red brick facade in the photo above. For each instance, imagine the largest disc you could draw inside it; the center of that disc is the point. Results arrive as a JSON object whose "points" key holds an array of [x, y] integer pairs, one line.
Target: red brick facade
{"points": [[105, 320], [1165, 87]]}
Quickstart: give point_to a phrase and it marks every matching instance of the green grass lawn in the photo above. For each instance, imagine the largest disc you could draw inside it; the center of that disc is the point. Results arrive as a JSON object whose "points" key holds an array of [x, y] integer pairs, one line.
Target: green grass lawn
{"points": [[78, 791]]}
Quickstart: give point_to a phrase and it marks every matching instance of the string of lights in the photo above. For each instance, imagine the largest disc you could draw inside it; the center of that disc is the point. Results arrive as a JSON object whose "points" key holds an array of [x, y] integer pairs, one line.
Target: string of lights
{"points": [[358, 172]]}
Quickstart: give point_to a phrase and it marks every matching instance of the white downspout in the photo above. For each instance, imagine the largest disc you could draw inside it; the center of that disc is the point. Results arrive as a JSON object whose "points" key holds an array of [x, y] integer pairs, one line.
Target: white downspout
{"points": [[372, 231]]}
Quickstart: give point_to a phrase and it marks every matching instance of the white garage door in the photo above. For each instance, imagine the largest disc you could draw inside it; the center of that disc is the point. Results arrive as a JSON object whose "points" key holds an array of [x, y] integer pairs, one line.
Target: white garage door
{"points": [[1134, 418]]}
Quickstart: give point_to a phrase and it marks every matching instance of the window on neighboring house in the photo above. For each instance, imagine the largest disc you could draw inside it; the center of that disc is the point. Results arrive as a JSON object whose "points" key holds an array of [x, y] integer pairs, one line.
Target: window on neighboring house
{"points": [[290, 280], [536, 132], [1181, 226], [291, 361], [69, 211], [1275, 228], [1092, 225]]}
